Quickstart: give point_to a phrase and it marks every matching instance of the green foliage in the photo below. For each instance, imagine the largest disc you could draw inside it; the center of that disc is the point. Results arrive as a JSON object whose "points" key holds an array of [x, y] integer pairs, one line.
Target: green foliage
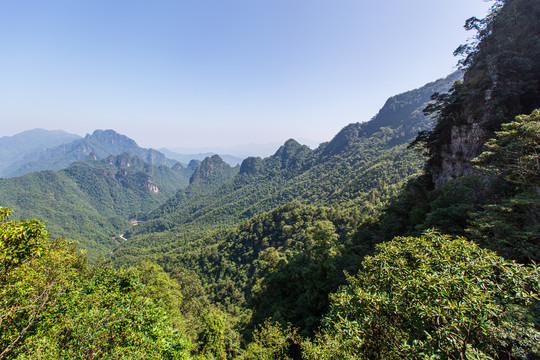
{"points": [[111, 316], [433, 297], [511, 225], [55, 306], [35, 272], [515, 152], [501, 81], [272, 341], [211, 339], [91, 201]]}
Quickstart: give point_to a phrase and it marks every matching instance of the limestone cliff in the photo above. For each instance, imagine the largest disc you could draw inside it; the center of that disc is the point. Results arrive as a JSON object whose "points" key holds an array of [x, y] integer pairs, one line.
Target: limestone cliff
{"points": [[502, 80]]}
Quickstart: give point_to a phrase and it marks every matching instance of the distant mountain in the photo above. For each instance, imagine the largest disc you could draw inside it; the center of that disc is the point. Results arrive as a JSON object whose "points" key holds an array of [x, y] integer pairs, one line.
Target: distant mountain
{"points": [[14, 148], [102, 143], [402, 113], [91, 201], [186, 158], [241, 151], [363, 161]]}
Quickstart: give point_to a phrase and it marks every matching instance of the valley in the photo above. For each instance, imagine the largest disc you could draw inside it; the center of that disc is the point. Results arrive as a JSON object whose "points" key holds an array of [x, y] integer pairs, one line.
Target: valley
{"points": [[413, 235]]}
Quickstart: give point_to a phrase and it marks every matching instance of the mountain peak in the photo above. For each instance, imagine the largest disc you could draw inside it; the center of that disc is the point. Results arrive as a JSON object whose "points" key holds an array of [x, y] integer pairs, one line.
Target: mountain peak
{"points": [[194, 164], [290, 146], [345, 138], [210, 167], [110, 137], [251, 165]]}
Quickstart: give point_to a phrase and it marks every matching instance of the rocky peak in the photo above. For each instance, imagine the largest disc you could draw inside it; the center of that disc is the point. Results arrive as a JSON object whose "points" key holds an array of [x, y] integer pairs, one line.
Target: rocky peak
{"points": [[92, 156], [210, 167], [178, 167], [110, 137]]}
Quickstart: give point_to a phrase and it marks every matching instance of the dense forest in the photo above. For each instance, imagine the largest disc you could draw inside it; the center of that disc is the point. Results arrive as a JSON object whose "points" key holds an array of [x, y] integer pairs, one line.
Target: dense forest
{"points": [[412, 236], [92, 201]]}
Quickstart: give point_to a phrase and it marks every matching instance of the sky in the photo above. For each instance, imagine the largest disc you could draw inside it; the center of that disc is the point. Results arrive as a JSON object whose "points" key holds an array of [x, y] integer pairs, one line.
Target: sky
{"points": [[218, 73]]}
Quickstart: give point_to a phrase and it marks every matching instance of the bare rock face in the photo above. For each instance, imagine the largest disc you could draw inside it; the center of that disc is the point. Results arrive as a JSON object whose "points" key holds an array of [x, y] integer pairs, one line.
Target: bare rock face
{"points": [[152, 187], [467, 138], [501, 81], [466, 144]]}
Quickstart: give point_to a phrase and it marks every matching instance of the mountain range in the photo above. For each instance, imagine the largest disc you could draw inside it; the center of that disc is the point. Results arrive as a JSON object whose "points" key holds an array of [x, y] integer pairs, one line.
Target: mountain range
{"points": [[360, 168], [92, 201], [14, 148], [110, 179], [101, 143], [412, 235]]}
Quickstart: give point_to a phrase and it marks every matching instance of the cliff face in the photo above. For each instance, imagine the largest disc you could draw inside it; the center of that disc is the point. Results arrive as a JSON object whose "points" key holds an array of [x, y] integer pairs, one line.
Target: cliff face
{"points": [[467, 137], [466, 143], [501, 81]]}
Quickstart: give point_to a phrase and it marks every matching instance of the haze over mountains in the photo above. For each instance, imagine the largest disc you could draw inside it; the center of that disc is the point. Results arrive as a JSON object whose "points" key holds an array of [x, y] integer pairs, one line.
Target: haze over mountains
{"points": [[413, 235], [39, 149], [364, 161], [129, 173]]}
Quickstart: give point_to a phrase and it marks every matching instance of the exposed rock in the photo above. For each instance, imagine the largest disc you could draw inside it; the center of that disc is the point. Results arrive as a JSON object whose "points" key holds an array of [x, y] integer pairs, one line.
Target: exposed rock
{"points": [[502, 82]]}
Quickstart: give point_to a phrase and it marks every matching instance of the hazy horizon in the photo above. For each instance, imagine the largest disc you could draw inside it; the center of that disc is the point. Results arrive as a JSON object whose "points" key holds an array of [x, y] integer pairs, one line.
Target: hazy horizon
{"points": [[215, 75]]}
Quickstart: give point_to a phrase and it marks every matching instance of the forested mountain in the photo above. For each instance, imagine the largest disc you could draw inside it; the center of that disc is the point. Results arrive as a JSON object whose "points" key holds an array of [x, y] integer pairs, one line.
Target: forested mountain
{"points": [[186, 158], [14, 148], [347, 180], [91, 201], [101, 143], [332, 253], [363, 161]]}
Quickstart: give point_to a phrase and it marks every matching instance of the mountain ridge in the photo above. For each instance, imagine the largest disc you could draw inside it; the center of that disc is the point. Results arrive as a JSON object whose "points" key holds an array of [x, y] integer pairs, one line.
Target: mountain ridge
{"points": [[92, 200], [101, 142], [346, 168]]}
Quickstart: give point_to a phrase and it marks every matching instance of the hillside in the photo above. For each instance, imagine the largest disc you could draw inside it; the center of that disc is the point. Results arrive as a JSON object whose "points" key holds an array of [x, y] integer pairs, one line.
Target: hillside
{"points": [[363, 161], [227, 224], [101, 143], [501, 81], [14, 148], [91, 201]]}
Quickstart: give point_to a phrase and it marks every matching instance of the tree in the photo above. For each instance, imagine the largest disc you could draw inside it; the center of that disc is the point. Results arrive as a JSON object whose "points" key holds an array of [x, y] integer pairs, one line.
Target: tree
{"points": [[271, 341], [511, 225], [433, 297], [35, 271], [54, 306], [515, 152]]}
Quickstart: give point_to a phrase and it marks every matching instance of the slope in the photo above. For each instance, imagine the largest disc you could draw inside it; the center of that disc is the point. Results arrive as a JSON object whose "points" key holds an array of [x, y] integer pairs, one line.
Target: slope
{"points": [[14, 148], [102, 143], [363, 161], [91, 201]]}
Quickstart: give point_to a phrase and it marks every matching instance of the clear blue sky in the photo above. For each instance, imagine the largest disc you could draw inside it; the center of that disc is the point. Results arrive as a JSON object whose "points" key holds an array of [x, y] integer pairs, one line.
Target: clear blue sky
{"points": [[194, 73]]}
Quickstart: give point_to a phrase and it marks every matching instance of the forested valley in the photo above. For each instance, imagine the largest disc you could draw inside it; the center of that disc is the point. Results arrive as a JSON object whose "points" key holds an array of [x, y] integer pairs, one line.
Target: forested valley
{"points": [[415, 235]]}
